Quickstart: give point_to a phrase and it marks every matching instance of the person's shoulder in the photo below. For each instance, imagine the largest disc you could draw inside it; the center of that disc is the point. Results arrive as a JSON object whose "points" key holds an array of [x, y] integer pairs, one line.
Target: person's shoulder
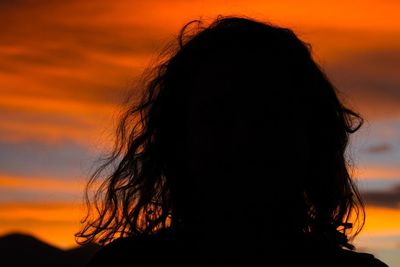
{"points": [[125, 250], [354, 258], [325, 253], [114, 253]]}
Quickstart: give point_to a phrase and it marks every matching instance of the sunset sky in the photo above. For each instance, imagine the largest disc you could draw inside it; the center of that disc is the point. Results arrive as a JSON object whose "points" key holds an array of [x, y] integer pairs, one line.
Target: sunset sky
{"points": [[66, 66]]}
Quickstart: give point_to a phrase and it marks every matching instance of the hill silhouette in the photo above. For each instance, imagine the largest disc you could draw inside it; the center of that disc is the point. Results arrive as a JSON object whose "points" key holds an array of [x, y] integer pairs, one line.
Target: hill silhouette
{"points": [[22, 250]]}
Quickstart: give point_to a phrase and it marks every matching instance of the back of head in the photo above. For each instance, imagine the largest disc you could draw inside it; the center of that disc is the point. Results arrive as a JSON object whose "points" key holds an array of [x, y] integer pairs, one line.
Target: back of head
{"points": [[241, 141], [239, 124], [257, 131]]}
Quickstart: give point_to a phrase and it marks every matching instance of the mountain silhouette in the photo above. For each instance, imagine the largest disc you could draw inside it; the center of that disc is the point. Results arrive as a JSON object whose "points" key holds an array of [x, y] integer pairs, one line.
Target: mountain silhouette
{"points": [[22, 250]]}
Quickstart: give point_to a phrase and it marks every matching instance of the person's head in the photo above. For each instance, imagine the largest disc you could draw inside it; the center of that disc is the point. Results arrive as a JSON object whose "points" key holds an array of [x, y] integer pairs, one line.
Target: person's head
{"points": [[238, 133]]}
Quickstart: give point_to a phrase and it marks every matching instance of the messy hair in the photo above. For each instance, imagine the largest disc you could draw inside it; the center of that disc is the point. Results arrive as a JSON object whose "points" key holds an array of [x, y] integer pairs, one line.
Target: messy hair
{"points": [[139, 196]]}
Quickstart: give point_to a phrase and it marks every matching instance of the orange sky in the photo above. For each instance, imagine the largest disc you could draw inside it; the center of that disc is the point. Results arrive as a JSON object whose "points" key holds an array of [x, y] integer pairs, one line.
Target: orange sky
{"points": [[73, 60], [66, 66]]}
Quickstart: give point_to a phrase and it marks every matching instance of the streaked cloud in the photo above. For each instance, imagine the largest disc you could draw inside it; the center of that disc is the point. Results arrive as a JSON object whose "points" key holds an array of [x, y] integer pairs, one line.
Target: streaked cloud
{"points": [[376, 172], [379, 148], [9, 195], [389, 198], [89, 53], [368, 185], [65, 160], [66, 66], [46, 120], [370, 80], [14, 189]]}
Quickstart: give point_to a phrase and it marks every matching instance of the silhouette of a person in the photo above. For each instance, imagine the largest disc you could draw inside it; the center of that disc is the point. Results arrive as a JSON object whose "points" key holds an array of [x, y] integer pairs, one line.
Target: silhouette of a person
{"points": [[235, 156]]}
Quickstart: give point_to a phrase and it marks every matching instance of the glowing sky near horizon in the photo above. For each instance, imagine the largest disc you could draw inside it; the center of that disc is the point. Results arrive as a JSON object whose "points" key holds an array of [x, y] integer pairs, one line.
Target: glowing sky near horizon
{"points": [[67, 65]]}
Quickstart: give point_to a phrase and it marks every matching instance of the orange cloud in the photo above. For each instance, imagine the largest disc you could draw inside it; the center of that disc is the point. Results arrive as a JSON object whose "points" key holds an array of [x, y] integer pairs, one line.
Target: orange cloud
{"points": [[42, 184], [85, 54], [67, 64], [377, 172]]}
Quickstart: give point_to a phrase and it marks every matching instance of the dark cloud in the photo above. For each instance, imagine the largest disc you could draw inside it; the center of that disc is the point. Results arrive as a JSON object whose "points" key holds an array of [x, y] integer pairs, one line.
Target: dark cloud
{"points": [[384, 198], [64, 49], [66, 160], [370, 78], [72, 36], [60, 26], [92, 64], [15, 3], [379, 148], [64, 120], [25, 195]]}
